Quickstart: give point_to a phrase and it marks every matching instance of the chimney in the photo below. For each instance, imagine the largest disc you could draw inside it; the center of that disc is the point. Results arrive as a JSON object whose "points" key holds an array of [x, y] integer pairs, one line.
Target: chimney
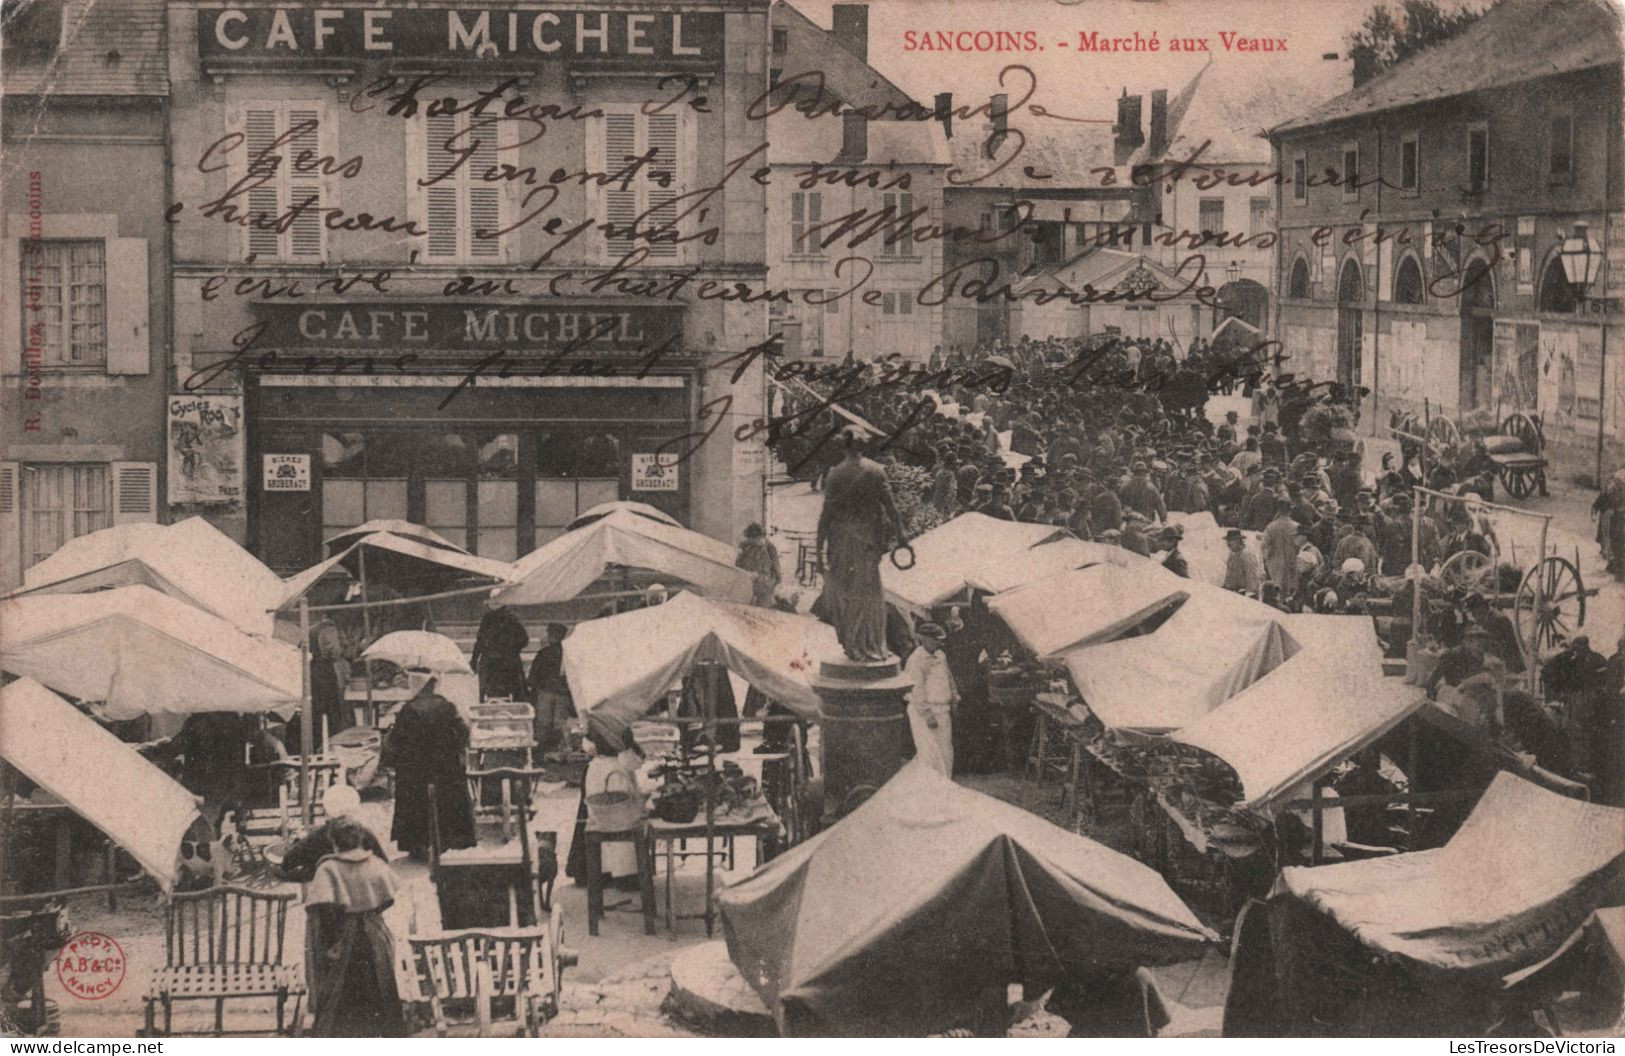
{"points": [[998, 117], [1365, 66], [851, 28], [1128, 131], [943, 110], [1159, 122], [854, 138]]}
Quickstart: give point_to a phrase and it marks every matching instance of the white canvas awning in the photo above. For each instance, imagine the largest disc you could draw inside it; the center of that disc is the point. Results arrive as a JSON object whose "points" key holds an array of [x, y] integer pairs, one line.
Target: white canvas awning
{"points": [[967, 552], [1327, 702], [192, 561], [564, 567], [1067, 609], [104, 780], [144, 653], [389, 555], [619, 666]]}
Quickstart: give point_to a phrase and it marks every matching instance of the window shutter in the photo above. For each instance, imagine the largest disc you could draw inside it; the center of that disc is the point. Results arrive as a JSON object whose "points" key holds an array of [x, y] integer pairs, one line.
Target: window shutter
{"points": [[663, 177], [416, 153], [621, 198], [814, 240], [128, 345], [11, 329], [259, 132], [798, 221], [440, 199], [484, 197], [11, 539], [135, 492], [307, 238], [905, 245]]}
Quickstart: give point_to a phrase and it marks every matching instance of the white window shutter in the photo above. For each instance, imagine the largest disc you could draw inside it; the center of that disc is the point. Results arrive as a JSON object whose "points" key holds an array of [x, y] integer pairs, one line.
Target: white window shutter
{"points": [[129, 348], [135, 492], [260, 129], [11, 520], [620, 199], [442, 214], [663, 178], [11, 329], [307, 237]]}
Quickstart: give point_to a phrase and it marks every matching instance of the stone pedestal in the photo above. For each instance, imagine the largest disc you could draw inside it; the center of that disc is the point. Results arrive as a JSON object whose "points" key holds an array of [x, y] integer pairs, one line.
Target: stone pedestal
{"points": [[865, 728]]}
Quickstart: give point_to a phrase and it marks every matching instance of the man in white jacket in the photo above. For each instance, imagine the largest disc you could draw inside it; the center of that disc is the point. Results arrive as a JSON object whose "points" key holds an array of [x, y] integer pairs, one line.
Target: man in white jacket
{"points": [[931, 700]]}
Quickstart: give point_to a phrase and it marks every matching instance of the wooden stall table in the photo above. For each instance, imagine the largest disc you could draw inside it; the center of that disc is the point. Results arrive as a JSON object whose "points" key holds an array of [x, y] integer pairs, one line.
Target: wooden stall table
{"points": [[466, 879], [640, 839], [1053, 721], [760, 823]]}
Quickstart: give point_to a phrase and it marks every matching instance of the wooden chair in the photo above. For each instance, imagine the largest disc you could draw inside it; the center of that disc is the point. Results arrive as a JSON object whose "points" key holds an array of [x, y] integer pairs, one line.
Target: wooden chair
{"points": [[465, 973], [288, 815], [220, 945]]}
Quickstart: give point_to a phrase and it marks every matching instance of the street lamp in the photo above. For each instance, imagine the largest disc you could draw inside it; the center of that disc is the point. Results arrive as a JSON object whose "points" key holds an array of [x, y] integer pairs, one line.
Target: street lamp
{"points": [[1233, 271], [1582, 260]]}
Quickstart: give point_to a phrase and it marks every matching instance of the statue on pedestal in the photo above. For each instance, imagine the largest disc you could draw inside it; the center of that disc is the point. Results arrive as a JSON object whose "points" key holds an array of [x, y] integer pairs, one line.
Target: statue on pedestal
{"points": [[855, 531]]}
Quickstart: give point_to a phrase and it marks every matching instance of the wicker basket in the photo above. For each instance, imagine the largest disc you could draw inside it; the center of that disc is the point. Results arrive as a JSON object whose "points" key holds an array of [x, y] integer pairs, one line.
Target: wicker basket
{"points": [[615, 811]]}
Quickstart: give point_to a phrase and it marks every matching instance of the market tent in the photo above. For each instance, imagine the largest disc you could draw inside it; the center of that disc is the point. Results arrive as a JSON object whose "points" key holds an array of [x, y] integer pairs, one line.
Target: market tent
{"points": [[1216, 644], [563, 567], [1327, 702], [1058, 555], [956, 554], [1068, 609], [144, 653], [391, 558], [896, 920], [604, 509], [193, 561], [777, 652], [104, 780], [1522, 875], [393, 526]]}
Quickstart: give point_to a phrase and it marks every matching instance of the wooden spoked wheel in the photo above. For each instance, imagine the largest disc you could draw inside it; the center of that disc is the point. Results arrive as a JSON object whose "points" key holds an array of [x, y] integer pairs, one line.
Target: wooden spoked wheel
{"points": [[1442, 432], [1521, 481], [1467, 570], [1549, 617]]}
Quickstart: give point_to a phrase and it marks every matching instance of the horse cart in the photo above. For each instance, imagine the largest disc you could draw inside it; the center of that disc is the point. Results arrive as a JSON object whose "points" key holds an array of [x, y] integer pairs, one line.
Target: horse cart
{"points": [[1516, 450]]}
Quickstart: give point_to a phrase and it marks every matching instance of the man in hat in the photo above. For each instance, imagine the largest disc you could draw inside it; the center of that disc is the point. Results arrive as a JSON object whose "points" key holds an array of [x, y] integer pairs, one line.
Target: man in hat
{"points": [[858, 522], [1241, 570], [1461, 663], [1280, 547], [497, 645], [1394, 535], [1134, 536], [1503, 640], [1105, 510], [998, 504], [931, 699], [1142, 495], [1175, 562]]}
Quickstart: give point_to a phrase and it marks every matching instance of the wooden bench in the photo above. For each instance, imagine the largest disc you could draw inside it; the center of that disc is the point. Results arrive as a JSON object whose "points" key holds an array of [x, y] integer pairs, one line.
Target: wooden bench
{"points": [[221, 945], [465, 973]]}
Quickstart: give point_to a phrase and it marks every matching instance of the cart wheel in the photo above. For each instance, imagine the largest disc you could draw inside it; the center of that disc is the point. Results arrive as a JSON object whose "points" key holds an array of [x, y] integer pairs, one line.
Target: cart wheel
{"points": [[1558, 615], [1520, 483], [1525, 429], [1466, 570], [1443, 432]]}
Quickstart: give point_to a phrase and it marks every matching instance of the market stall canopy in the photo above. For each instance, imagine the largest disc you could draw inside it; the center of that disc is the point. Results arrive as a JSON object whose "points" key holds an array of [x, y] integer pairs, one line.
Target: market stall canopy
{"points": [[425, 649], [144, 653], [104, 780], [564, 567], [1517, 880], [1206, 552], [406, 529], [969, 551], [1068, 609], [619, 666], [895, 920], [1215, 644], [604, 509], [394, 559], [192, 561], [1326, 703]]}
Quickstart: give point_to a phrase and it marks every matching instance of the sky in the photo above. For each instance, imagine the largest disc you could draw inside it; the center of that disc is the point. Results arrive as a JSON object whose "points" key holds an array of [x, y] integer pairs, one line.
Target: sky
{"points": [[1085, 84]]}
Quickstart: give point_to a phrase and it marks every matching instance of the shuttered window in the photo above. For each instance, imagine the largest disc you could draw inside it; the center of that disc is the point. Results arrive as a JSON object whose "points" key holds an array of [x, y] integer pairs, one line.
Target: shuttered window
{"points": [[900, 238], [62, 502], [65, 284], [640, 209], [274, 187], [806, 213], [461, 209]]}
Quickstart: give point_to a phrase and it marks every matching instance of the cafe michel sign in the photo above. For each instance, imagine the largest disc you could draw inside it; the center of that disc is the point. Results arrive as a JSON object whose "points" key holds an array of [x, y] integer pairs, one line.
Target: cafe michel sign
{"points": [[466, 32]]}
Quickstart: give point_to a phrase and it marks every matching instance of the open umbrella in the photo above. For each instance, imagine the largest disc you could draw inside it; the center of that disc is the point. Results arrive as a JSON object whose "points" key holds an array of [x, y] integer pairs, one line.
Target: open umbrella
{"points": [[143, 652], [425, 649], [604, 509], [1001, 361]]}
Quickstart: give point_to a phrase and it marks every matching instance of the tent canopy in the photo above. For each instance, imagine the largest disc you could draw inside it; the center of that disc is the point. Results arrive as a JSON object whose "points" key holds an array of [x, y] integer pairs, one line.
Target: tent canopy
{"points": [[392, 558], [564, 567], [406, 529], [897, 918], [969, 551], [777, 652], [1325, 703], [1522, 874], [604, 509], [143, 652], [104, 780], [1072, 608], [192, 561], [1216, 644]]}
